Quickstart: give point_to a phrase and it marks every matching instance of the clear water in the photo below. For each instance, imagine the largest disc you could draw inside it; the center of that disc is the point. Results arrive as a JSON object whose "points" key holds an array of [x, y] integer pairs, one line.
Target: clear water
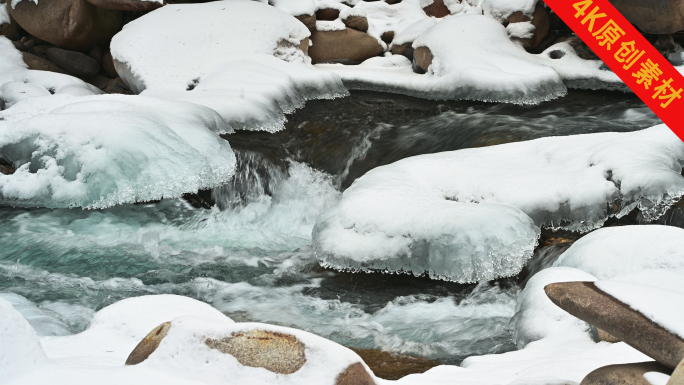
{"points": [[250, 255]]}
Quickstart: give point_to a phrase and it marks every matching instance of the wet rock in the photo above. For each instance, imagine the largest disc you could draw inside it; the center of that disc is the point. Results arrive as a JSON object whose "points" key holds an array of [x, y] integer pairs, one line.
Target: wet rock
{"points": [[586, 302], [38, 63], [76, 63], [387, 37], [422, 59], [108, 65], [581, 49], [355, 374], [540, 20], [624, 374], [358, 23], [6, 167], [392, 366], [328, 14], [309, 21], [127, 5], [653, 16], [199, 200], [346, 46], [148, 344], [69, 24], [277, 352], [437, 9]]}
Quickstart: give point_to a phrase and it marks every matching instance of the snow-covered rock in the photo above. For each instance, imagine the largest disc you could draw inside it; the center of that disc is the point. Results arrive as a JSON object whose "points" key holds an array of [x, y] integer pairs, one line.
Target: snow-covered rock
{"points": [[244, 59], [615, 251], [455, 215], [20, 350], [100, 151], [501, 9], [473, 58], [17, 82], [536, 317]]}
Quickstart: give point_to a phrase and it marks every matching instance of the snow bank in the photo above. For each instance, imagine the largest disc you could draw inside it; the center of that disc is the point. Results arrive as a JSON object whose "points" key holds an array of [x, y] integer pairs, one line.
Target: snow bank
{"points": [[18, 83], [536, 317], [20, 350], [240, 58], [614, 251], [101, 151], [474, 59], [455, 214]]}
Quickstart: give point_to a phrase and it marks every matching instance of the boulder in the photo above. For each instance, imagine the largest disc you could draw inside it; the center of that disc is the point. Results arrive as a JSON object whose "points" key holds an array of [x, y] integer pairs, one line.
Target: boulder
{"points": [[76, 63], [38, 63], [148, 344], [127, 5], [70, 24], [355, 374], [422, 58], [309, 21], [359, 23], [677, 377], [658, 17], [328, 14], [540, 20], [277, 352], [401, 49], [96, 54], [437, 9], [387, 37], [108, 65], [586, 302], [346, 46], [624, 374]]}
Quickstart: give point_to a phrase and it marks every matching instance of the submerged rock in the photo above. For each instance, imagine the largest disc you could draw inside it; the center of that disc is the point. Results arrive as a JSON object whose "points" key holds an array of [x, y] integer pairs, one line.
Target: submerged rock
{"points": [[437, 8], [624, 374]]}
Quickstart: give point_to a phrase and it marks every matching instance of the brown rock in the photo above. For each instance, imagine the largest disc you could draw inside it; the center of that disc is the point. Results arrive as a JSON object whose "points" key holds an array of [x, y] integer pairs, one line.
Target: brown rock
{"points": [[657, 17], [328, 14], [20, 46], [108, 64], [392, 366], [70, 24], [624, 374], [304, 45], [309, 21], [540, 20], [586, 302], [96, 54], [38, 63], [401, 48], [148, 344], [348, 46], [11, 30], [127, 5], [98, 81], [358, 23], [437, 9], [76, 63], [387, 36], [41, 49], [422, 58], [607, 337], [677, 377], [355, 374], [277, 352], [117, 86]]}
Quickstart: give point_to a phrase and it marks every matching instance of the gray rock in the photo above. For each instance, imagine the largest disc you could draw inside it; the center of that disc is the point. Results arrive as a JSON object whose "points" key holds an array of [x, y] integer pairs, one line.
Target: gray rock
{"points": [[76, 63], [38, 63]]}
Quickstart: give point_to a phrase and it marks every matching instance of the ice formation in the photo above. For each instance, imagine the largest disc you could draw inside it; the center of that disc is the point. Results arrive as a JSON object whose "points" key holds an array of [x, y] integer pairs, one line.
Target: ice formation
{"points": [[43, 323], [18, 83], [455, 214], [100, 151], [474, 59], [253, 73], [614, 251], [20, 350]]}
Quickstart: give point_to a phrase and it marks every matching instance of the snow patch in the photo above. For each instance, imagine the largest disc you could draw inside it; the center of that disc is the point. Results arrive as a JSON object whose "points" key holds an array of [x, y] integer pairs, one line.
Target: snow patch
{"points": [[295, 7], [20, 350]]}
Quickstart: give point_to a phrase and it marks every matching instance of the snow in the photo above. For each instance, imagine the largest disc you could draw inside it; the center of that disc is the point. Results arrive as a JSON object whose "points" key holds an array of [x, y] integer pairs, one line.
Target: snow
{"points": [[17, 82], [614, 251], [413, 31], [481, 63], [656, 378], [44, 323], [455, 215], [536, 317], [4, 15], [502, 9], [524, 30], [331, 25], [295, 7], [100, 151], [252, 76]]}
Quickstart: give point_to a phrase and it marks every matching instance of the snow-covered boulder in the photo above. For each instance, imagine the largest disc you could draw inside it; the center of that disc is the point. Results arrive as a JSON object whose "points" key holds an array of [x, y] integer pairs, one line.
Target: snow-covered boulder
{"points": [[456, 215], [244, 59], [20, 350], [536, 317], [614, 251], [17, 82], [100, 151]]}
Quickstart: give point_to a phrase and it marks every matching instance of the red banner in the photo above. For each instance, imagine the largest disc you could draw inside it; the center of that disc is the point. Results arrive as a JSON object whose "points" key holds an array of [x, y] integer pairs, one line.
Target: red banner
{"points": [[643, 69]]}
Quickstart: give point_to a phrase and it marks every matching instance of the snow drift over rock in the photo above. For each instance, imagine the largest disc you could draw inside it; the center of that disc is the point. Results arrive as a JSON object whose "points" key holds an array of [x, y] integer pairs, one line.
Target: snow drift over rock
{"points": [[20, 350], [455, 214], [473, 58], [614, 251], [240, 58], [100, 151], [536, 317], [17, 82]]}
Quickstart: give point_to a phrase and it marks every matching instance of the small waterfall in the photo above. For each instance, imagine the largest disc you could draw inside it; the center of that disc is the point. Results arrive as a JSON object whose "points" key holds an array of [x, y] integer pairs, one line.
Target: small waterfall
{"points": [[543, 258]]}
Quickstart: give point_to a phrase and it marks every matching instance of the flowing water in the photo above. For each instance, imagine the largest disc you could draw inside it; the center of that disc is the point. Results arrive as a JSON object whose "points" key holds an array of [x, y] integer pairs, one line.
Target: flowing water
{"points": [[250, 255]]}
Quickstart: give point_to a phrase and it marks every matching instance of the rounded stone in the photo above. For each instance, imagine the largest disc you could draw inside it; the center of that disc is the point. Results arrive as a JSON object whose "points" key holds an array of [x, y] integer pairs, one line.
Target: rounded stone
{"points": [[108, 65], [358, 23], [437, 9], [309, 21], [624, 374], [127, 5], [345, 46], [355, 374], [327, 14], [76, 63], [38, 63], [422, 59], [148, 344]]}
